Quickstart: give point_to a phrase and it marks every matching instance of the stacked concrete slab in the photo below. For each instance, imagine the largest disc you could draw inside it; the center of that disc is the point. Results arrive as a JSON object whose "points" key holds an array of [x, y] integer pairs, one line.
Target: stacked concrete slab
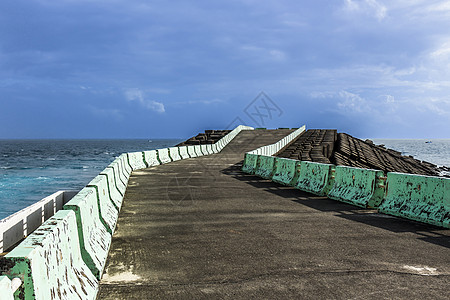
{"points": [[328, 146], [416, 197]]}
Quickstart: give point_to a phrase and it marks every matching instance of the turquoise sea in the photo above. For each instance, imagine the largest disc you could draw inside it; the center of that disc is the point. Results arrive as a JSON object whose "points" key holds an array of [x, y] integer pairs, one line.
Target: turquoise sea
{"points": [[33, 169]]}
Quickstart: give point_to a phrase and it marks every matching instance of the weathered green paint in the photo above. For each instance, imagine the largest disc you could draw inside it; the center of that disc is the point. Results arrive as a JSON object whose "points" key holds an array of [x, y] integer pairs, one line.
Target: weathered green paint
{"points": [[360, 187], [121, 180], [49, 262], [266, 166], [250, 163], [151, 157], [420, 198], [108, 210], [316, 178], [113, 195], [127, 168], [287, 171], [94, 237], [136, 160]]}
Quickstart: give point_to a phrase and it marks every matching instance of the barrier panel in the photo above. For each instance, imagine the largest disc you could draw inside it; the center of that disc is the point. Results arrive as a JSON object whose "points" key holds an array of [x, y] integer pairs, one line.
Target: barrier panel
{"points": [[274, 148], [209, 149], [360, 187], [6, 288], [198, 150], [266, 166], [123, 168], [174, 154], [316, 178], [417, 197], [49, 263], [204, 149], [151, 158], [250, 163], [164, 156], [108, 210], [126, 167], [191, 151], [215, 148], [183, 152], [120, 179], [114, 192], [287, 171], [93, 232], [136, 160], [17, 226]]}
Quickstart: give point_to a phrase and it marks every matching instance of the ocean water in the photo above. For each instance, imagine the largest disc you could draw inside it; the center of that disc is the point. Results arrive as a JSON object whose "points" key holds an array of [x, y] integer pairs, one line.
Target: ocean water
{"points": [[33, 169], [435, 151]]}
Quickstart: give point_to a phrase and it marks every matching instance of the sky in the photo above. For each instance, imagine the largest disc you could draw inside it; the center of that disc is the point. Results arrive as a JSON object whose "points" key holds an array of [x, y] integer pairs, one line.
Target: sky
{"points": [[171, 69]]}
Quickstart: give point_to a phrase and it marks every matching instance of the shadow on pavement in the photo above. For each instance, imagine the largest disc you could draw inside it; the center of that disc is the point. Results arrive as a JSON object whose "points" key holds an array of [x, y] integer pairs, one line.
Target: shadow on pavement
{"points": [[428, 233]]}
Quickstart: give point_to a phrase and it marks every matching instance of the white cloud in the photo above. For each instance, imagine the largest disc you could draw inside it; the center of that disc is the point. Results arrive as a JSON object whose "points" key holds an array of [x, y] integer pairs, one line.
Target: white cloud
{"points": [[389, 99], [369, 7], [138, 95], [351, 102]]}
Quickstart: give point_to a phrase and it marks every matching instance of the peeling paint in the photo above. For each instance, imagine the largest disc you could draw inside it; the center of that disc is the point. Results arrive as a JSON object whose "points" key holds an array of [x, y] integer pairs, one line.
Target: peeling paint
{"points": [[287, 171], [316, 178], [420, 198]]}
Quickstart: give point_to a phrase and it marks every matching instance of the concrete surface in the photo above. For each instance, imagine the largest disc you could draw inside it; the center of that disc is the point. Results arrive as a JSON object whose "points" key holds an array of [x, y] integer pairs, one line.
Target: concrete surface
{"points": [[202, 229]]}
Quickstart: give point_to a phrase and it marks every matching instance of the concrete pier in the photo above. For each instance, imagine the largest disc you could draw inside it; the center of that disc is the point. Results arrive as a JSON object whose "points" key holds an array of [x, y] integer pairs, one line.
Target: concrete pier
{"points": [[202, 229]]}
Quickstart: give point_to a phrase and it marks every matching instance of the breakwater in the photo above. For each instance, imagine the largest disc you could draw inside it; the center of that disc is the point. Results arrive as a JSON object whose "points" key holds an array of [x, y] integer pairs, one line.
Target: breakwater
{"points": [[64, 258], [417, 197], [105, 196]]}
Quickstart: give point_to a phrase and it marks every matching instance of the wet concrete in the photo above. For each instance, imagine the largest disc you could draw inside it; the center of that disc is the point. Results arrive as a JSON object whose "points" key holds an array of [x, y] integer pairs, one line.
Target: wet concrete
{"points": [[201, 229]]}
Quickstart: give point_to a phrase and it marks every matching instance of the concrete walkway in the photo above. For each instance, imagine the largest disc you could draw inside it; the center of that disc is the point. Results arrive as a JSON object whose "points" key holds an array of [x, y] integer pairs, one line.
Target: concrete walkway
{"points": [[201, 229]]}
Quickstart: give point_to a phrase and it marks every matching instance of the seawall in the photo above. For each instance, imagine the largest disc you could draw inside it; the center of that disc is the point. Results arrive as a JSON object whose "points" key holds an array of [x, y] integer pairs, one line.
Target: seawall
{"points": [[154, 225]]}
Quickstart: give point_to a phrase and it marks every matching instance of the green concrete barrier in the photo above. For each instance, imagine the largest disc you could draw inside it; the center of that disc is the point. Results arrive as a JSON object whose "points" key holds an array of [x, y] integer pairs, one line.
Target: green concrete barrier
{"points": [[198, 150], [183, 152], [113, 191], [119, 177], [151, 158], [416, 197], [250, 163], [164, 156], [126, 167], [287, 171], [108, 209], [316, 178], [360, 187], [50, 264], [209, 149], [136, 160], [93, 232], [191, 151], [266, 166], [174, 153], [123, 167], [204, 149], [215, 148]]}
